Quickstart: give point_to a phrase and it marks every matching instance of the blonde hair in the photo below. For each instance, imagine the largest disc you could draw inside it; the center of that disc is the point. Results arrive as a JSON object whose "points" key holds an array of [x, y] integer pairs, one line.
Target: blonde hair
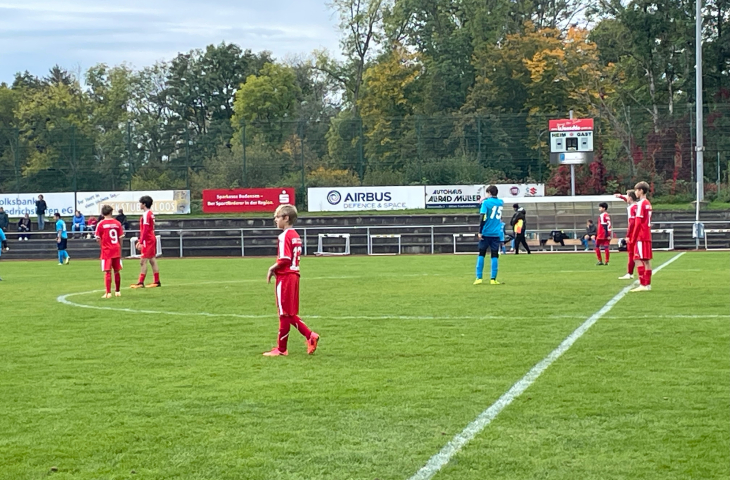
{"points": [[288, 211]]}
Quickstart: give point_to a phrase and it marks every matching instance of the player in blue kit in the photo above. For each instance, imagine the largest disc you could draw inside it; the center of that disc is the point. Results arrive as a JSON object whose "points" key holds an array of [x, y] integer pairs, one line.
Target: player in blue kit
{"points": [[490, 229], [61, 240]]}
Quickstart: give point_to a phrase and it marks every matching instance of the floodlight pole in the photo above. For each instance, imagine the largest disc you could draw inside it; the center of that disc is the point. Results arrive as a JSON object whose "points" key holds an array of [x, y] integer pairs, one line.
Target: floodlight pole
{"points": [[572, 167], [699, 148]]}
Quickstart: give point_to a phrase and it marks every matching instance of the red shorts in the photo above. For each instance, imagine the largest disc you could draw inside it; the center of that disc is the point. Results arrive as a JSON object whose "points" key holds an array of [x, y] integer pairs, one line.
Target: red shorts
{"points": [[603, 242], [642, 250], [111, 264], [149, 249], [287, 294]]}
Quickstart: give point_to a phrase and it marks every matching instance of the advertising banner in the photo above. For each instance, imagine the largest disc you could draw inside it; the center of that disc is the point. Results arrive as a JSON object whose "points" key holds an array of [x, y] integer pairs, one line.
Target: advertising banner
{"points": [[454, 196], [164, 202], [18, 204], [571, 125], [470, 196], [246, 199], [345, 199]]}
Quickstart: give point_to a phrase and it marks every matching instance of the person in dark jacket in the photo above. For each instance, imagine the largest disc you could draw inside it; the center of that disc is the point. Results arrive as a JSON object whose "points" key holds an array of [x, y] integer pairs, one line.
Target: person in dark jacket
{"points": [[24, 228], [122, 218], [519, 227], [591, 232], [4, 220], [40, 210]]}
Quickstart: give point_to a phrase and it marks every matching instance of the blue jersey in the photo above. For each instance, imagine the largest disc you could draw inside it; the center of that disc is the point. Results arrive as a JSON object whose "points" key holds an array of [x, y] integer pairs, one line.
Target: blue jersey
{"points": [[491, 215], [2, 242], [61, 226]]}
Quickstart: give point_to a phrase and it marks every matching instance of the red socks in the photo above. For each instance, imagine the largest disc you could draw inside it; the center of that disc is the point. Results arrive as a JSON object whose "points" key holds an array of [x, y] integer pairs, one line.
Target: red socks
{"points": [[598, 254], [108, 281], [647, 277], [117, 281], [157, 277], [607, 255], [141, 277], [642, 272], [285, 324], [631, 265]]}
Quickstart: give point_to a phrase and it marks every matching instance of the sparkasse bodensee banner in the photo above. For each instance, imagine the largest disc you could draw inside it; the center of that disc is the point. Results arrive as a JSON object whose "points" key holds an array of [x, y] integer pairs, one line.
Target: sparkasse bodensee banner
{"points": [[344, 199], [246, 199], [18, 204]]}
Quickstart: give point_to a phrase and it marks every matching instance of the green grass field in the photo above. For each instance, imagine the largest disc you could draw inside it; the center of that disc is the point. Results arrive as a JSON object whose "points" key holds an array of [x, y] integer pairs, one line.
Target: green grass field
{"points": [[170, 383]]}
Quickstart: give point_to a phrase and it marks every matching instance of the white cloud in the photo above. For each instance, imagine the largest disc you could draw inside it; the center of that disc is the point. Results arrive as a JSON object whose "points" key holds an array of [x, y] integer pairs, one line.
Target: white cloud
{"points": [[36, 34]]}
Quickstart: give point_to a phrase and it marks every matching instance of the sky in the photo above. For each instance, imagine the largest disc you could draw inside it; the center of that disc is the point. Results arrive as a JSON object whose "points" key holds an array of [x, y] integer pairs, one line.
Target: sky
{"points": [[77, 34]]}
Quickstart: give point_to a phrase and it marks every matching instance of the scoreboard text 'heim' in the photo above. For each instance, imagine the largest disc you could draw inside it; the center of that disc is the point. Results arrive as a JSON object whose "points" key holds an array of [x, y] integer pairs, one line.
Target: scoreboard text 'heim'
{"points": [[571, 141]]}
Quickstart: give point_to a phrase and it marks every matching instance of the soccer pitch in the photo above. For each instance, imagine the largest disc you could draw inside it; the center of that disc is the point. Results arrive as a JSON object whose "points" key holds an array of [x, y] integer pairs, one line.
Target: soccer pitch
{"points": [[170, 383]]}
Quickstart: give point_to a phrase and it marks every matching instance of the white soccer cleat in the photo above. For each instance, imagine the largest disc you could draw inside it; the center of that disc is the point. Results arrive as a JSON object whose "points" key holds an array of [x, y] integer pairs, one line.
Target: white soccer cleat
{"points": [[628, 276], [107, 295], [117, 294], [642, 288]]}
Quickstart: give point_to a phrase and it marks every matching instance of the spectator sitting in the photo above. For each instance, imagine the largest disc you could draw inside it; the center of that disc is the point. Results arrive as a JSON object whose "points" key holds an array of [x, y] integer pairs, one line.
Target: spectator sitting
{"points": [[590, 234], [4, 220], [78, 223], [91, 226], [122, 218], [24, 228]]}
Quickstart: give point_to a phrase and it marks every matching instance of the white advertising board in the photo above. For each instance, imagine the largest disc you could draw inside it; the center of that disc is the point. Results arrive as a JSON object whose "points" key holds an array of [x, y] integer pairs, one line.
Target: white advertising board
{"points": [[165, 202], [346, 199], [469, 196], [18, 204]]}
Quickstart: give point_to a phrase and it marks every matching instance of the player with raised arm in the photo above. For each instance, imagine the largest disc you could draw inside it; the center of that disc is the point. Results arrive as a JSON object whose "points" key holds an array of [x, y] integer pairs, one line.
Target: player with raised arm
{"points": [[147, 244], [490, 228], [641, 237], [631, 199], [605, 233], [286, 271], [109, 234]]}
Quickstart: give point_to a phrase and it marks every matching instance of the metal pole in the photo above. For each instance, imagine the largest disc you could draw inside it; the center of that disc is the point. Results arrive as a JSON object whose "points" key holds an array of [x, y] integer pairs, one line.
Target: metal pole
{"points": [[432, 247], [243, 143], [698, 107], [242, 250], [130, 168], [181, 243], [301, 145], [572, 167], [17, 159]]}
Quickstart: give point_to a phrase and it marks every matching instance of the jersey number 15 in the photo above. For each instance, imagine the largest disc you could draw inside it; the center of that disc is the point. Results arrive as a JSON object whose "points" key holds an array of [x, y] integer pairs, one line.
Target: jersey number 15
{"points": [[496, 213]]}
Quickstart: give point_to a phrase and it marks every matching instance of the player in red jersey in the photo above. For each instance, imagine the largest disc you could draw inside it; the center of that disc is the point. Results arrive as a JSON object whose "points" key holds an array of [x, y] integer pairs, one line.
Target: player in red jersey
{"points": [[641, 237], [109, 234], [631, 199], [286, 271], [147, 244], [605, 233]]}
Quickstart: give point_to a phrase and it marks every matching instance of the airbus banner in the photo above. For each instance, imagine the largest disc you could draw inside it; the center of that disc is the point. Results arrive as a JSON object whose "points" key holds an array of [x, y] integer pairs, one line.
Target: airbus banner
{"points": [[351, 199]]}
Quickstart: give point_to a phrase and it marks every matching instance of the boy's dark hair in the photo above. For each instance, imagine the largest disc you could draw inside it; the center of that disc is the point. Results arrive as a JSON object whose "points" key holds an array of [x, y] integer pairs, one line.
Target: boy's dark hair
{"points": [[146, 200], [642, 186], [57, 215], [492, 190], [106, 210], [590, 221], [516, 206], [632, 195], [604, 205]]}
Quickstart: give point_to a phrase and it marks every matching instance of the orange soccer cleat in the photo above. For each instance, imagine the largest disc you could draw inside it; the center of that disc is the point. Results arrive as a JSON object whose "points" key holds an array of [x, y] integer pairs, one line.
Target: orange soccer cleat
{"points": [[312, 343], [137, 285], [154, 285], [275, 352]]}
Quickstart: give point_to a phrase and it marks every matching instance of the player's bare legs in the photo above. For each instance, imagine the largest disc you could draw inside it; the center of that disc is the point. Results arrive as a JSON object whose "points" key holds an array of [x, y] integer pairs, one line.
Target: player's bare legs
{"points": [[155, 272]]}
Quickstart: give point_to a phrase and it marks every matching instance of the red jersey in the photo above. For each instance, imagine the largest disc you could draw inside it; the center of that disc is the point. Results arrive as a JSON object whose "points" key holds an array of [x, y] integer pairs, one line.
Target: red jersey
{"points": [[110, 232], [290, 248], [642, 224], [147, 228], [631, 210], [605, 228]]}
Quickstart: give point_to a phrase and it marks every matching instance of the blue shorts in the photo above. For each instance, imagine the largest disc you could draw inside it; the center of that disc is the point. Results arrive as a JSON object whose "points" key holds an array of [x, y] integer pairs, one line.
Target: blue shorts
{"points": [[490, 243], [62, 244]]}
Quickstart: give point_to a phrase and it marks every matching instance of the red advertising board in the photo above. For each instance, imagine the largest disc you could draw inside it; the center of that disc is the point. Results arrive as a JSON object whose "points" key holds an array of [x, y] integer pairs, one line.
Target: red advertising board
{"points": [[246, 199], [570, 125]]}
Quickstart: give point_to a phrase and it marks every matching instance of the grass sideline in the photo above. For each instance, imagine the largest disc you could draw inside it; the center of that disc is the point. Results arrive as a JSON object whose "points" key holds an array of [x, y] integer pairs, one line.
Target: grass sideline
{"points": [[411, 352]]}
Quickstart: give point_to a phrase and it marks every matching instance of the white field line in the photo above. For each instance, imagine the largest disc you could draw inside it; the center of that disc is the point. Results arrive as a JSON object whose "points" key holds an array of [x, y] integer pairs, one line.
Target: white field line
{"points": [[443, 457]]}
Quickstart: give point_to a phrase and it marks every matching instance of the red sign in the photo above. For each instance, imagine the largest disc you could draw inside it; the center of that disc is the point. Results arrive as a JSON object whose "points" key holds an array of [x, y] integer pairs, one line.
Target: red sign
{"points": [[246, 199], [570, 125]]}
